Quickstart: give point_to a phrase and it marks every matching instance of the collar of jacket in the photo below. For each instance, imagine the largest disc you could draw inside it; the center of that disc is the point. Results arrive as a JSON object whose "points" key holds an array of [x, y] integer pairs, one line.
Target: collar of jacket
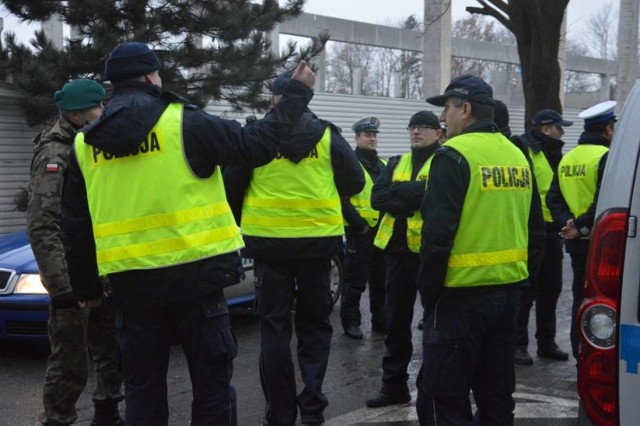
{"points": [[367, 157], [481, 126], [588, 138], [538, 139], [128, 87], [62, 131], [420, 155]]}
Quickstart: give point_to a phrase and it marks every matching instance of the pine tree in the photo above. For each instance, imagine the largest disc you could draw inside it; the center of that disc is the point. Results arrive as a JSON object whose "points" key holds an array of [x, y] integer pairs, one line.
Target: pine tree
{"points": [[209, 49]]}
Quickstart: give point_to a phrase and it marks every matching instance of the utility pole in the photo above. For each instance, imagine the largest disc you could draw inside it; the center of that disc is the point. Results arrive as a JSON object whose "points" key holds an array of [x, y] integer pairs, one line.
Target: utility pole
{"points": [[436, 47]]}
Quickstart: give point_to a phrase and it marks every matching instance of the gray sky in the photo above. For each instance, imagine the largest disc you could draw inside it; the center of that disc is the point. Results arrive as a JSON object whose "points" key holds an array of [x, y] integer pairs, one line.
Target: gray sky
{"points": [[385, 12]]}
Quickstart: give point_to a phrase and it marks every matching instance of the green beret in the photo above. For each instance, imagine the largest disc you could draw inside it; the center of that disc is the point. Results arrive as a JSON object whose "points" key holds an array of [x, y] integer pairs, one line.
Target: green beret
{"points": [[79, 95]]}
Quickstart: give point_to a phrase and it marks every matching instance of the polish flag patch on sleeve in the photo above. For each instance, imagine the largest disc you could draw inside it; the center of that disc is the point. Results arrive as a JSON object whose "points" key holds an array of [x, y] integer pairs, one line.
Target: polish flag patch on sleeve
{"points": [[53, 167]]}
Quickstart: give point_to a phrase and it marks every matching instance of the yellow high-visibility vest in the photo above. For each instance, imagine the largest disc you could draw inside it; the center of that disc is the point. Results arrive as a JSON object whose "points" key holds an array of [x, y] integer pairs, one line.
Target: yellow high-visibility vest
{"points": [[578, 176], [289, 200], [362, 201], [148, 209], [490, 246], [544, 176], [402, 173]]}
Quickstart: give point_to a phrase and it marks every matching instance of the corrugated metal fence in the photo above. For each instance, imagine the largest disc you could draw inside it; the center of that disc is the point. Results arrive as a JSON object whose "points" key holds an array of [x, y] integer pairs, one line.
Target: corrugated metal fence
{"points": [[16, 148], [394, 114]]}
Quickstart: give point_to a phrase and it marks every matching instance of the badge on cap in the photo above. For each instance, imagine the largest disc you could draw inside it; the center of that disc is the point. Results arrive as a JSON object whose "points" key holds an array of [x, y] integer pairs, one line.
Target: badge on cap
{"points": [[599, 113], [366, 124]]}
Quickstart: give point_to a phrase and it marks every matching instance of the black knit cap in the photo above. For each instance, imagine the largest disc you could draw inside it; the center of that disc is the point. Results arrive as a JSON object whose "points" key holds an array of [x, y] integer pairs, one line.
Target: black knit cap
{"points": [[129, 60], [425, 118]]}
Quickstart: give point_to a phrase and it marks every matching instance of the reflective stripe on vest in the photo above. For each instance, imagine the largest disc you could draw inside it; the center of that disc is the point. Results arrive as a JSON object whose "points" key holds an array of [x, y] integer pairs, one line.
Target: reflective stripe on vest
{"points": [[490, 245], [148, 210], [544, 176], [289, 200], [362, 201], [578, 176], [402, 173]]}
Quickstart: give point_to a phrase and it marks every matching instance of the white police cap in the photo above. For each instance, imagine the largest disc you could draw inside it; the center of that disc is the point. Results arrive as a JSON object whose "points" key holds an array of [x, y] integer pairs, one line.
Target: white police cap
{"points": [[599, 113], [366, 124]]}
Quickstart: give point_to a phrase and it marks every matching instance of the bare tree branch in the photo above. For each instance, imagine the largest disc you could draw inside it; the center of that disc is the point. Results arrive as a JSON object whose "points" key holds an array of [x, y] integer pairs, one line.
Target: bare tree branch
{"points": [[499, 4], [498, 11]]}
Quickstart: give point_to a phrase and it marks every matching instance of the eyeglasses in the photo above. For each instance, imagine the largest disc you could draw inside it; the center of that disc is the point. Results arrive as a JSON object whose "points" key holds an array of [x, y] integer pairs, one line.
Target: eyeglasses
{"points": [[420, 128]]}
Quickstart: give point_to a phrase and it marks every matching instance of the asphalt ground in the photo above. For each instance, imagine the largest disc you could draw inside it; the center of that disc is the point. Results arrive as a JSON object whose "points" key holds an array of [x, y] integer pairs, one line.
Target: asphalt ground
{"points": [[545, 392]]}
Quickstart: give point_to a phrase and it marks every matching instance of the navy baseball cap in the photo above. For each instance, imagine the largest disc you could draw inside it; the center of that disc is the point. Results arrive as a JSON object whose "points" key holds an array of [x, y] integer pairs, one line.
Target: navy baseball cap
{"points": [[468, 87], [549, 117]]}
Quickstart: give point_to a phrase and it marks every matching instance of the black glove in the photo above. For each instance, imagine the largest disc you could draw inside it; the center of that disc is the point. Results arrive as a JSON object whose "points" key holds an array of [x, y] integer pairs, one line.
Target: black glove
{"points": [[64, 301]]}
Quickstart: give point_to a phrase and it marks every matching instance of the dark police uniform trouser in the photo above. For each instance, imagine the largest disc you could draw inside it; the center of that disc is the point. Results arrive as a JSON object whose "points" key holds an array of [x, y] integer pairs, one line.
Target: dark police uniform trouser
{"points": [[401, 291], [578, 250], [363, 262], [469, 343], [545, 289], [71, 331], [278, 283], [202, 327]]}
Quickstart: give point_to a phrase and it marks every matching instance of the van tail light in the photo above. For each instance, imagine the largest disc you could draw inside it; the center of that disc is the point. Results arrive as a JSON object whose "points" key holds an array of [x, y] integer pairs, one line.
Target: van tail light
{"points": [[598, 318]]}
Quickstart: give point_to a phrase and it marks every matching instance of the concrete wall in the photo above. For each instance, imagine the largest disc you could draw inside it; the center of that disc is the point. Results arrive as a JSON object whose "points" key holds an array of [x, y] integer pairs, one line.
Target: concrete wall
{"points": [[437, 61], [341, 30]]}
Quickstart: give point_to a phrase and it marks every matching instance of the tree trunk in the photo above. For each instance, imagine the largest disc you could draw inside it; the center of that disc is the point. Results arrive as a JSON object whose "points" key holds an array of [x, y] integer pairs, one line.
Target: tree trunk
{"points": [[537, 26]]}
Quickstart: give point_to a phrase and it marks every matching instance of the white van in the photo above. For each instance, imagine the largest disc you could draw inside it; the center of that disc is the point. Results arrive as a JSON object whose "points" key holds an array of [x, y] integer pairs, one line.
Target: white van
{"points": [[609, 317]]}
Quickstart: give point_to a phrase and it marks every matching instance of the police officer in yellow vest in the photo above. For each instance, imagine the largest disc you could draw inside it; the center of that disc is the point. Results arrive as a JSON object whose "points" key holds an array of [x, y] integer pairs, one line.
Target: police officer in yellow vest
{"points": [[363, 261], [398, 193], [573, 194], [292, 224], [473, 262], [544, 147], [145, 205]]}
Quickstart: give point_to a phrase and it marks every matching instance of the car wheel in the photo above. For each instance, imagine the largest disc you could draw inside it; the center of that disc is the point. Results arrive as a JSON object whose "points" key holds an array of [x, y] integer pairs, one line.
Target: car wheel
{"points": [[336, 279]]}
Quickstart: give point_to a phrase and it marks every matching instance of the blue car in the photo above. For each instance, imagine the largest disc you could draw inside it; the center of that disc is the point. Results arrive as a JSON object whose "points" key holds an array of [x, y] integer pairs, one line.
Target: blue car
{"points": [[24, 303]]}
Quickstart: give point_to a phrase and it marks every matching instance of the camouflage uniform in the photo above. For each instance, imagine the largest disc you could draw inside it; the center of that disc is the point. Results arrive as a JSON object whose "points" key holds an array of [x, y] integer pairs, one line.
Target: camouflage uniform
{"points": [[71, 328]]}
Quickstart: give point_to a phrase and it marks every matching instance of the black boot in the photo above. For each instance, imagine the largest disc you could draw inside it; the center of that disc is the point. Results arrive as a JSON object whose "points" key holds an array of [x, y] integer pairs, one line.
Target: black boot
{"points": [[106, 414]]}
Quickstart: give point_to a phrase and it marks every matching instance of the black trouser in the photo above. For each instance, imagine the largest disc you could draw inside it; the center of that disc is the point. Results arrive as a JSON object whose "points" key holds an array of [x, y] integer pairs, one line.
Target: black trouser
{"points": [[363, 262], [578, 250], [469, 343], [203, 328], [277, 284], [401, 291], [545, 288]]}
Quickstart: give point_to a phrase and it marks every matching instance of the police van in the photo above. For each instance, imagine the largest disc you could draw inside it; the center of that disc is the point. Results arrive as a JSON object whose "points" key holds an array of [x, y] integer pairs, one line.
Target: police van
{"points": [[609, 317]]}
